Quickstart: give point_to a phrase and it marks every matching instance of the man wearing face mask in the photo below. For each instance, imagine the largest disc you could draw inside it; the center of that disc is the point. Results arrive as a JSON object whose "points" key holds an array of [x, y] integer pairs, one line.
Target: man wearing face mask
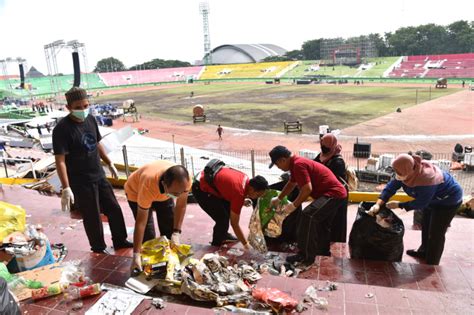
{"points": [[78, 153], [315, 180], [162, 187], [224, 199]]}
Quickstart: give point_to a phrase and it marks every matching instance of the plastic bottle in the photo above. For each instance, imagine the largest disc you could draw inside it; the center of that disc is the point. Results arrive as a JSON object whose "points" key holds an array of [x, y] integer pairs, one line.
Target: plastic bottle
{"points": [[74, 293], [51, 290]]}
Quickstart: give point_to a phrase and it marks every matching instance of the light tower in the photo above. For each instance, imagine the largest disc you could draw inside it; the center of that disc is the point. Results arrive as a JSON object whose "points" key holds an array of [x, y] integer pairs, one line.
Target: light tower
{"points": [[204, 10]]}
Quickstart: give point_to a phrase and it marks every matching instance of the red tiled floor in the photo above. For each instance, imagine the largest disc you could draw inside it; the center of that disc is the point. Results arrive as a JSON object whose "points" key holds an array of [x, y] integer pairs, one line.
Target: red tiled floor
{"points": [[356, 293], [432, 283], [390, 310], [358, 277], [391, 297], [359, 308], [404, 282], [379, 278]]}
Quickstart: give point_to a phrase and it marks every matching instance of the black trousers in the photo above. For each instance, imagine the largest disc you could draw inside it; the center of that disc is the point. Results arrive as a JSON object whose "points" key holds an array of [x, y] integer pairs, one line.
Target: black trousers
{"points": [[436, 221], [93, 198], [314, 228], [219, 211], [164, 216], [339, 223]]}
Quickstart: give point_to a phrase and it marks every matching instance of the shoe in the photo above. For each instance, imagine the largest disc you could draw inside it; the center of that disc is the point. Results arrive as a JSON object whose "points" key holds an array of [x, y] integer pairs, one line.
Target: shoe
{"points": [[298, 258], [415, 253], [104, 251], [124, 244], [229, 238]]}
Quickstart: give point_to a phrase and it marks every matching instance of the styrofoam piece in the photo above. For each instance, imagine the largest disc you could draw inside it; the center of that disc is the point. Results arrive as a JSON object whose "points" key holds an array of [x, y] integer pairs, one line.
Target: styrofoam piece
{"points": [[113, 141], [309, 154], [469, 159]]}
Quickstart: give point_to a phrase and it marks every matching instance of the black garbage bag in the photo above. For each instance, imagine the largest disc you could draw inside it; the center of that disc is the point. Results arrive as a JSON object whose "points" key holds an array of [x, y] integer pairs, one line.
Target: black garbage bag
{"points": [[376, 238], [8, 306]]}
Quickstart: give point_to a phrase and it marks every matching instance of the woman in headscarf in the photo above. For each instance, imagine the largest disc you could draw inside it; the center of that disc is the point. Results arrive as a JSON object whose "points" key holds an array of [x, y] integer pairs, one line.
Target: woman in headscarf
{"points": [[330, 157], [436, 192]]}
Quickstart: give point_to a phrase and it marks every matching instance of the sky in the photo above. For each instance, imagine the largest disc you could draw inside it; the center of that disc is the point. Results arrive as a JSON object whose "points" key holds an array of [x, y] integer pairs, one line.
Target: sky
{"points": [[140, 30]]}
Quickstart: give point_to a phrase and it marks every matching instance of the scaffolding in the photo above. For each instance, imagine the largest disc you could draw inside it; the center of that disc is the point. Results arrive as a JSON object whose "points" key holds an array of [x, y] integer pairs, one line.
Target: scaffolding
{"points": [[51, 52], [204, 10], [351, 51]]}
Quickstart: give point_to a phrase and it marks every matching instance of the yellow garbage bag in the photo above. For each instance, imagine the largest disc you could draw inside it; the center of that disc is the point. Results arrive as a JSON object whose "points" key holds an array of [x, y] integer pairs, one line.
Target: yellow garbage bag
{"points": [[12, 219]]}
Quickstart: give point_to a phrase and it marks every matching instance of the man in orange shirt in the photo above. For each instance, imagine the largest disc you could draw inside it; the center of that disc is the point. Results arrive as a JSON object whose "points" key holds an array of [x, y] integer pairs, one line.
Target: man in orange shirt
{"points": [[156, 186]]}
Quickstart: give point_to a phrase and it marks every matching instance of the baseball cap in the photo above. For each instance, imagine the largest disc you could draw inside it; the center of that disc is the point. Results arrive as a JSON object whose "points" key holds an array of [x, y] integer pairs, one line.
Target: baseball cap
{"points": [[277, 153]]}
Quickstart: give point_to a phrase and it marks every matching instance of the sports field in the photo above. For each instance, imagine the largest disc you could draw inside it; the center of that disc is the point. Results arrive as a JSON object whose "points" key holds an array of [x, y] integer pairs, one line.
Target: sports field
{"points": [[265, 107]]}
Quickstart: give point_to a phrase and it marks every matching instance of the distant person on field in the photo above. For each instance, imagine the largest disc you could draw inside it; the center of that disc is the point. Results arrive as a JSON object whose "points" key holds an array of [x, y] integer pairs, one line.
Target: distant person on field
{"points": [[220, 131], [463, 84]]}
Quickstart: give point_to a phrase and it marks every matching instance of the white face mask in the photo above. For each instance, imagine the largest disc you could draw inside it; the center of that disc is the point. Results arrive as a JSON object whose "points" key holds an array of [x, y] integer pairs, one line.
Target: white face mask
{"points": [[401, 178]]}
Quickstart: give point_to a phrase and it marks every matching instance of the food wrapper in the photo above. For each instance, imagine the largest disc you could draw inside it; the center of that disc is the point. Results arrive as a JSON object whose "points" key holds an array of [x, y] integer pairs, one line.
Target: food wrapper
{"points": [[256, 237], [271, 219], [158, 256], [276, 299]]}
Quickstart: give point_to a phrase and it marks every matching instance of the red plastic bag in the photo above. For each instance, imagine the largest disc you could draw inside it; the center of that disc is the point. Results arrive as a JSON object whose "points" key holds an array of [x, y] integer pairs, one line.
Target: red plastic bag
{"points": [[275, 298]]}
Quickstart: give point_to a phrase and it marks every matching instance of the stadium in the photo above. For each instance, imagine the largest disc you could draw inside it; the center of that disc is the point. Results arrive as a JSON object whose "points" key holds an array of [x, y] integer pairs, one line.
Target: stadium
{"points": [[378, 107]]}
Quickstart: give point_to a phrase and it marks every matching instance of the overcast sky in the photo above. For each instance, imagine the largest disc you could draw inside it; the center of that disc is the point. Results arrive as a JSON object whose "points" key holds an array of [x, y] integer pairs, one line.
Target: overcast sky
{"points": [[140, 30]]}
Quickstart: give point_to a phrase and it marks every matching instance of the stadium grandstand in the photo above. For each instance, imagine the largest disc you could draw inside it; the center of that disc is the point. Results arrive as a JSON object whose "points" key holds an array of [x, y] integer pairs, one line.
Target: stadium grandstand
{"points": [[245, 53], [435, 66], [150, 76], [248, 70]]}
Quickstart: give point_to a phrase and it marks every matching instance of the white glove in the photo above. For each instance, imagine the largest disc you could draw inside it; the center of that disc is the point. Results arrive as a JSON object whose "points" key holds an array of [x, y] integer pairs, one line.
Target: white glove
{"points": [[274, 202], [247, 202], [373, 210], [175, 238], [288, 208], [393, 204], [136, 262], [67, 198], [113, 171]]}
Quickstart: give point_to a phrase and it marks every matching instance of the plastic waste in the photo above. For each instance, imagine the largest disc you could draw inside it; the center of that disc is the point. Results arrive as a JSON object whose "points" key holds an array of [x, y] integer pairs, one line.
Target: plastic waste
{"points": [[12, 219], [378, 238], [8, 304], [276, 299]]}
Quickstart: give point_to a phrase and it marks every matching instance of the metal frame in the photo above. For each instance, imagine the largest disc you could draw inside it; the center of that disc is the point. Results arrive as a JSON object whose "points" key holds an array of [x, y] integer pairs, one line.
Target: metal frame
{"points": [[51, 52], [4, 67], [204, 10]]}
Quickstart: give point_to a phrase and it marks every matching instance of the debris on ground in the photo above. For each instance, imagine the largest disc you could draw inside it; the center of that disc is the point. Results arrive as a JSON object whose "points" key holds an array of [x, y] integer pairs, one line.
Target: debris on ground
{"points": [[235, 252], [369, 295], [311, 296], [276, 299]]}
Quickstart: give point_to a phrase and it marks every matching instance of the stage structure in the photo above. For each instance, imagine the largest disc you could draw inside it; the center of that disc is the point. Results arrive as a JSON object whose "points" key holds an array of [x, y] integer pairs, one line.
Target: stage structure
{"points": [[51, 52], [350, 52], [21, 65]]}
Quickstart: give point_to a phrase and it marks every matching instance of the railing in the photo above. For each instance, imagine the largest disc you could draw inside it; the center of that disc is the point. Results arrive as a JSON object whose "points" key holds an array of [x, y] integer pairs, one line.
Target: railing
{"points": [[4, 161], [256, 162]]}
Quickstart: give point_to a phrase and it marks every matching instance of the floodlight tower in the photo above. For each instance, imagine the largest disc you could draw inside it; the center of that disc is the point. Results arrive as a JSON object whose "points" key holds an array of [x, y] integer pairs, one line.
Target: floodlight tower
{"points": [[204, 10], [51, 51]]}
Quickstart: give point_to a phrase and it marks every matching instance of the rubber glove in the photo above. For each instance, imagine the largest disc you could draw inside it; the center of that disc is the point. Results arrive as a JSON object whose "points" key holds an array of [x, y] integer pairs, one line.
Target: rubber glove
{"points": [[113, 171], [373, 210], [175, 238], [393, 205], [288, 208], [274, 202], [136, 263], [67, 198], [248, 202]]}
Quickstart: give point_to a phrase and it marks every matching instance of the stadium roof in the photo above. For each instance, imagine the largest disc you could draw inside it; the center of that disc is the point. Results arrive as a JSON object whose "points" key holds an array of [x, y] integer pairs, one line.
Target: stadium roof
{"points": [[245, 53]]}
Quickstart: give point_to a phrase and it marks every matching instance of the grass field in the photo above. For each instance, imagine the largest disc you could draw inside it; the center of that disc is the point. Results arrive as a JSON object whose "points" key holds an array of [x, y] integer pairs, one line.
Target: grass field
{"points": [[265, 107]]}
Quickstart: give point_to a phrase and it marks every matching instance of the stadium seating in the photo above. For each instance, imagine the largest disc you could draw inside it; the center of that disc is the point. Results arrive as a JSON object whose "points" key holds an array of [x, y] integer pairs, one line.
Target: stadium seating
{"points": [[149, 76], [449, 66], [246, 70]]}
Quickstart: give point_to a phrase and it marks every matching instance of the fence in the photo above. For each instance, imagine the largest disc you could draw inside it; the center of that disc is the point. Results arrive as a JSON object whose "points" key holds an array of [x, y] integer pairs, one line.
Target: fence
{"points": [[256, 162]]}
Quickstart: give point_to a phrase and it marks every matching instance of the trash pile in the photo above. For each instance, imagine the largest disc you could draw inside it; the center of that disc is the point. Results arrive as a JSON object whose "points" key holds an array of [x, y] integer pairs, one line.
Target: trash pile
{"points": [[266, 221], [379, 238]]}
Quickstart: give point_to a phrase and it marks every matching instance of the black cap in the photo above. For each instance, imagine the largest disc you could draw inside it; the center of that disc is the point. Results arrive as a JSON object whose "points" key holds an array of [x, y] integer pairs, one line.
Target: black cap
{"points": [[277, 153]]}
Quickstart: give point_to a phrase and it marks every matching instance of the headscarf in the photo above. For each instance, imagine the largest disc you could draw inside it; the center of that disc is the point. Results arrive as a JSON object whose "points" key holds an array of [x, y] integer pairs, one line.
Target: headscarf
{"points": [[329, 141], [418, 172]]}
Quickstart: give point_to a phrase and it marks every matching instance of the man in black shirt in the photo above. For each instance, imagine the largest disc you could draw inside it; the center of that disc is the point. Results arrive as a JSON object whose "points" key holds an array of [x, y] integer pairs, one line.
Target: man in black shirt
{"points": [[78, 152]]}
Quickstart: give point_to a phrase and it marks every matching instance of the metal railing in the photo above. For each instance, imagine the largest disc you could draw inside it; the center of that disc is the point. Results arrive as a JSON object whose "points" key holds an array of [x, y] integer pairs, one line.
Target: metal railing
{"points": [[256, 162], [4, 160]]}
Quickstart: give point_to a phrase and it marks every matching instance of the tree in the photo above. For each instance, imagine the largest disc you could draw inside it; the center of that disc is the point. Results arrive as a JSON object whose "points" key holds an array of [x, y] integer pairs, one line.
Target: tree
{"points": [[275, 58], [311, 49], [461, 37], [110, 64], [295, 54]]}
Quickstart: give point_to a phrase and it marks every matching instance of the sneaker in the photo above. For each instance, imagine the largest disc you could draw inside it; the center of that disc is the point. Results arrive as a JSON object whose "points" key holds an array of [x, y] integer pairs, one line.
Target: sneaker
{"points": [[103, 251], [229, 238], [415, 253], [295, 258], [124, 244]]}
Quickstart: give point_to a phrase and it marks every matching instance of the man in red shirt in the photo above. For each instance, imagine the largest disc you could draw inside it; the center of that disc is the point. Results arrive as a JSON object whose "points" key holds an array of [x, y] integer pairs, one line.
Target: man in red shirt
{"points": [[315, 180], [234, 190]]}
